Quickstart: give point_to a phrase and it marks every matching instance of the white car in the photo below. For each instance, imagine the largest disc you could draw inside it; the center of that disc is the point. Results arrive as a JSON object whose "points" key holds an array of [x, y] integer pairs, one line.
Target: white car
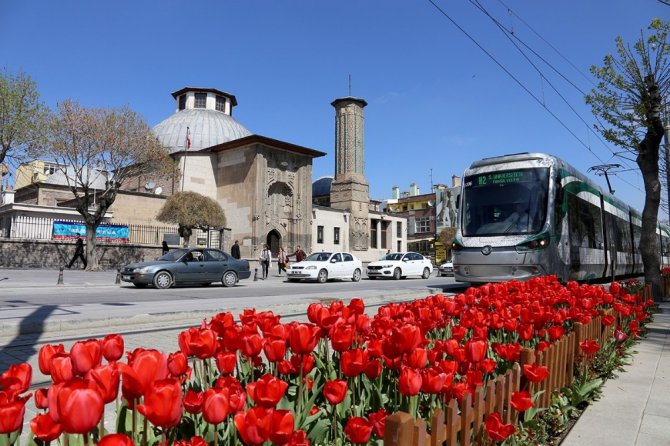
{"points": [[400, 265], [446, 269], [322, 266]]}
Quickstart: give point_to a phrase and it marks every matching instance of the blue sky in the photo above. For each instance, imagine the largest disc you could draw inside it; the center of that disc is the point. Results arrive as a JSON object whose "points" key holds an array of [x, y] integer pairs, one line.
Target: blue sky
{"points": [[436, 100]]}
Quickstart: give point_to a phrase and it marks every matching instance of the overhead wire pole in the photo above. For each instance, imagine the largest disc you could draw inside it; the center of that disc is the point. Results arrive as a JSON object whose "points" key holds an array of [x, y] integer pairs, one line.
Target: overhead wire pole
{"points": [[666, 127]]}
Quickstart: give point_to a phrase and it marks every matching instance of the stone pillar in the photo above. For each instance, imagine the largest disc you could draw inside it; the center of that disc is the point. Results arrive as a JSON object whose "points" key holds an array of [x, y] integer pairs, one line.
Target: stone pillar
{"points": [[379, 234]]}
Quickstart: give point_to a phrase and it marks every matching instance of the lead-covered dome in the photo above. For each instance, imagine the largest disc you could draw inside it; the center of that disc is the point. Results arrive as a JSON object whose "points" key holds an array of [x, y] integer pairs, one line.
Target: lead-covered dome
{"points": [[206, 113]]}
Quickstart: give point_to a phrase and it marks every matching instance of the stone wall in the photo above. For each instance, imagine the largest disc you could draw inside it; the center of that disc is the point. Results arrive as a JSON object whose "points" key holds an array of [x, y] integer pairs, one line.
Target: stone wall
{"points": [[53, 254]]}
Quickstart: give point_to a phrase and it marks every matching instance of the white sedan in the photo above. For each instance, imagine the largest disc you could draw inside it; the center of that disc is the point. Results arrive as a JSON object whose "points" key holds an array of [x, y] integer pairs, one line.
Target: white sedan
{"points": [[400, 265], [322, 266]]}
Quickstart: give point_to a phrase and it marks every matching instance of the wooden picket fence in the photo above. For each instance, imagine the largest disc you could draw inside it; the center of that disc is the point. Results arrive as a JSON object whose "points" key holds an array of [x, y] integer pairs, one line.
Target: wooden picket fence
{"points": [[462, 424]]}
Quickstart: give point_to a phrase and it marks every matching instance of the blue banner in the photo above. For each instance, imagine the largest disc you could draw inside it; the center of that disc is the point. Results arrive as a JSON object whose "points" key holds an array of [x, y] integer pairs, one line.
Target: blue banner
{"points": [[67, 230]]}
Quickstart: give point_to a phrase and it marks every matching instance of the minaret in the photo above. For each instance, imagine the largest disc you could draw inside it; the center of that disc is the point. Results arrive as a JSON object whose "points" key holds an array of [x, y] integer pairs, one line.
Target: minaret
{"points": [[349, 190]]}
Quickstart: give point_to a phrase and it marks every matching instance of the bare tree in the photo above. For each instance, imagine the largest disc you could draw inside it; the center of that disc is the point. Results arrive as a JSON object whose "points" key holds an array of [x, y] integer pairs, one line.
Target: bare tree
{"points": [[97, 149], [628, 100], [21, 115], [190, 211]]}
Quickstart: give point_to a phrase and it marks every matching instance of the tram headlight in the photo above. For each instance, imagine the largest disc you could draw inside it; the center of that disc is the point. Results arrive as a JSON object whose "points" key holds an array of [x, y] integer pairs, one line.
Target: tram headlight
{"points": [[456, 246], [540, 241]]}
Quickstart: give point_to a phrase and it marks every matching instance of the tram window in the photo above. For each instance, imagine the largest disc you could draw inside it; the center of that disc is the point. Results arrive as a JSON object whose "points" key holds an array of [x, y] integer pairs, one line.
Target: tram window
{"points": [[636, 238], [585, 223], [623, 235], [666, 246]]}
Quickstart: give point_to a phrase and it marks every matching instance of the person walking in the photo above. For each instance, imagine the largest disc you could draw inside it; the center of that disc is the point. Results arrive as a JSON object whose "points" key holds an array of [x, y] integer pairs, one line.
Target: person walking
{"points": [[78, 252], [282, 259], [235, 250], [299, 254], [265, 258], [166, 248]]}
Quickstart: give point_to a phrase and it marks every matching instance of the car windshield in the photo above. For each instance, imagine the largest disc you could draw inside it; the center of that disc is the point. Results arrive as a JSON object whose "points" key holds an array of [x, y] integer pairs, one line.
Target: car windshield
{"points": [[394, 256], [173, 255], [505, 202], [318, 257]]}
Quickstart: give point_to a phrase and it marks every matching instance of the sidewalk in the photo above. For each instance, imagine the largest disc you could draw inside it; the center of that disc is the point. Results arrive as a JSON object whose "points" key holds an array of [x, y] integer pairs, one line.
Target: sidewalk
{"points": [[634, 409]]}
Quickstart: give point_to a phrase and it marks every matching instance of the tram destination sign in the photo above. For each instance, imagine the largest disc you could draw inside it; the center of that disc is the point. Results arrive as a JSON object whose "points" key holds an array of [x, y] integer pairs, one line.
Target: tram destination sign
{"points": [[499, 178]]}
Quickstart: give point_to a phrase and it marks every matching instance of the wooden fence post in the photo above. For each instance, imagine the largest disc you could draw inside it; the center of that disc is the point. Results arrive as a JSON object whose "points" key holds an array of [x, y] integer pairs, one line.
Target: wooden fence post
{"points": [[399, 430]]}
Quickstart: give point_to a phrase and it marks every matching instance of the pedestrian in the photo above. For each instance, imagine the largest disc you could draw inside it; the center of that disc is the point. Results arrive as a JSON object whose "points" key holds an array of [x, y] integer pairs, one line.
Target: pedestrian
{"points": [[235, 250], [78, 252], [265, 258], [282, 259], [299, 254], [166, 249]]}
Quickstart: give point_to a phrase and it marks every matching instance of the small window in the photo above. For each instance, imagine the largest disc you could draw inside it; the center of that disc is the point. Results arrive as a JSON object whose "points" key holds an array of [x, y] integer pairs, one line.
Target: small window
{"points": [[373, 234], [200, 100], [422, 224], [319, 234], [336, 236], [336, 258], [399, 230], [348, 257], [182, 102], [220, 103]]}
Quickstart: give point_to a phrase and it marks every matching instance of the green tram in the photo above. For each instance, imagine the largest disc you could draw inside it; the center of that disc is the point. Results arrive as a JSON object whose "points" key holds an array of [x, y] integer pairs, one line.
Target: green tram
{"points": [[531, 214]]}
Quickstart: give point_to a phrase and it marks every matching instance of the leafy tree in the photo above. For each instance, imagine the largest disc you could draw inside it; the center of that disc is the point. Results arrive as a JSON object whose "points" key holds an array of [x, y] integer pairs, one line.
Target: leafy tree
{"points": [[628, 98], [446, 237], [190, 211], [97, 150], [21, 115]]}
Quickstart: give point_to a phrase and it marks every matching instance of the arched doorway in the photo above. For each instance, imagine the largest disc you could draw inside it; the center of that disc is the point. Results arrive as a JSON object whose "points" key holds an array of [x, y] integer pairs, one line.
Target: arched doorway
{"points": [[274, 241]]}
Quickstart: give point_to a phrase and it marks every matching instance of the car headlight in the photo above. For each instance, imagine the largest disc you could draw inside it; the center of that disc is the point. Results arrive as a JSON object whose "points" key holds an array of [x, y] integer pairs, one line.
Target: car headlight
{"points": [[387, 266], [310, 267], [142, 270]]}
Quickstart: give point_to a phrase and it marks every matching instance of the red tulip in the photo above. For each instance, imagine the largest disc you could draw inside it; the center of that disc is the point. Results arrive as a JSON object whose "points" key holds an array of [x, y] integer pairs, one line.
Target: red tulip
{"points": [[46, 353], [52, 403], [85, 355], [335, 391], [198, 342], [373, 369], [281, 427], [17, 378], [409, 382], [107, 378], [299, 438], [144, 367], [61, 368], [432, 380], [304, 361], [12, 411], [275, 349], [45, 428], [215, 405], [496, 430], [521, 401], [535, 373], [41, 399], [620, 336], [112, 347], [162, 403], [116, 440], [475, 351], [177, 364], [193, 401], [303, 338], [353, 362], [555, 332], [358, 430], [417, 358], [251, 344], [79, 406], [607, 319], [378, 422], [267, 391], [589, 346], [254, 425], [341, 337]]}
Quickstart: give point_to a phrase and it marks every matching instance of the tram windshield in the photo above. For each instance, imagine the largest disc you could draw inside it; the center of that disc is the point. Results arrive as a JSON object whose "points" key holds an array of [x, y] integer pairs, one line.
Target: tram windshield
{"points": [[505, 202]]}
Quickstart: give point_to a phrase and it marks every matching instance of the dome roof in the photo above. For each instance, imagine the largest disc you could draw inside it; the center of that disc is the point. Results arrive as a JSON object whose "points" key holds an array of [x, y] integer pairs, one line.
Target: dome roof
{"points": [[321, 186], [207, 128]]}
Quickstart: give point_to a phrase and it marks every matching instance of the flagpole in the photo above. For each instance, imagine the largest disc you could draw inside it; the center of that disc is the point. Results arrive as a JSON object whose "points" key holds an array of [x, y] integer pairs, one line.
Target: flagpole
{"points": [[187, 145]]}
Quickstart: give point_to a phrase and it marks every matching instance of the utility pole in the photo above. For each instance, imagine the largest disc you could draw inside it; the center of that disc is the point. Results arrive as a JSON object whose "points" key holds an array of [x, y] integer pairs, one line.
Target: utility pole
{"points": [[666, 127], [603, 169]]}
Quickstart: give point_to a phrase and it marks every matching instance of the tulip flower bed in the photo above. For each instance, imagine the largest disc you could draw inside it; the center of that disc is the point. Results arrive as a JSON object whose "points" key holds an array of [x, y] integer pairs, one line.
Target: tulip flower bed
{"points": [[334, 380]]}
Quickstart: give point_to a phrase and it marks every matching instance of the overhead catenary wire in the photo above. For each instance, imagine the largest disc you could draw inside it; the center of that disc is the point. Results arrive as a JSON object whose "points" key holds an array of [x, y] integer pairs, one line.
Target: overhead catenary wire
{"points": [[526, 89]]}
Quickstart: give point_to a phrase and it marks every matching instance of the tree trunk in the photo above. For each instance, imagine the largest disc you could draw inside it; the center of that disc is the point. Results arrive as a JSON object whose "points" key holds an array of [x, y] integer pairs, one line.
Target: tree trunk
{"points": [[647, 160]]}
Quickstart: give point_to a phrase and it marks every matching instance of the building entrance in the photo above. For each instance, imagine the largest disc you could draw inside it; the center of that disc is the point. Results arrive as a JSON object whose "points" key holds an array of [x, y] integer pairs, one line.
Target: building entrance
{"points": [[274, 242]]}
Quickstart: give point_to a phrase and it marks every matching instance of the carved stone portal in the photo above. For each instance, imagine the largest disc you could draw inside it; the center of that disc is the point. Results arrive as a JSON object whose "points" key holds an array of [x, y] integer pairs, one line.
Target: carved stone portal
{"points": [[359, 234]]}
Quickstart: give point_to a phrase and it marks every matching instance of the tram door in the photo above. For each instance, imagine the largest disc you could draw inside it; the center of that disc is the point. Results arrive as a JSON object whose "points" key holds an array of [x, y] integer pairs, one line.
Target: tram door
{"points": [[611, 245]]}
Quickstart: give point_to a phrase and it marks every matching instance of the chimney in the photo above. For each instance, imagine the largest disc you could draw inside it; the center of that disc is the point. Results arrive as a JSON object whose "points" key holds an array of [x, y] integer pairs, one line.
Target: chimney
{"points": [[413, 190], [396, 192], [455, 181]]}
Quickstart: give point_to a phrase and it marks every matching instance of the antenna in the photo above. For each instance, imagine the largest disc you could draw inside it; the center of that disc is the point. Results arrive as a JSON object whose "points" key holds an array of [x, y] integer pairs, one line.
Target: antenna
{"points": [[603, 169], [350, 85]]}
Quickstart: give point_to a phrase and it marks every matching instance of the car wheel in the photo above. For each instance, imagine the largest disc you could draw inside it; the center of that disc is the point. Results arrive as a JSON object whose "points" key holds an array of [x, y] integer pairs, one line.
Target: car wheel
{"points": [[357, 275], [322, 277], [229, 279], [140, 285], [426, 273], [397, 274], [163, 280]]}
